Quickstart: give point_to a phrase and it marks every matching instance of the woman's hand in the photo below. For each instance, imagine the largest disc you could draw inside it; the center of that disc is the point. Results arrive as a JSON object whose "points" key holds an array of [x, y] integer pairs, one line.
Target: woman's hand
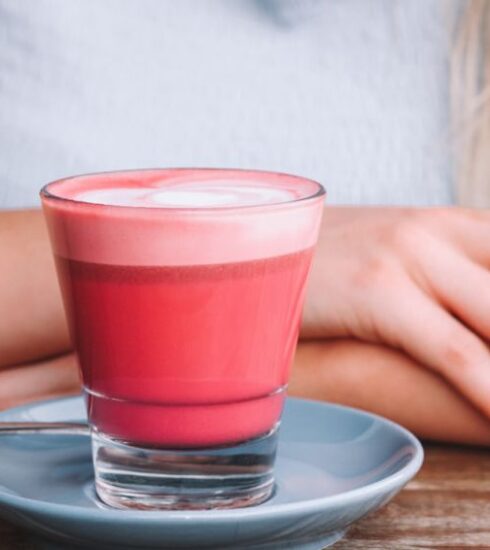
{"points": [[412, 279]]}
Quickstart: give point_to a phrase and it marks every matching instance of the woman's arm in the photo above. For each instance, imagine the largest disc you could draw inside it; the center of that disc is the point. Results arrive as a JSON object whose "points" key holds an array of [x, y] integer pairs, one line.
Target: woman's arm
{"points": [[386, 382], [34, 338], [353, 373], [32, 322], [42, 380]]}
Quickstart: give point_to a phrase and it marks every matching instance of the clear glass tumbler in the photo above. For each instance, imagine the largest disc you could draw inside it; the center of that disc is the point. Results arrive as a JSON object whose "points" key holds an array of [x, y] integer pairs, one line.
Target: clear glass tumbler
{"points": [[183, 290]]}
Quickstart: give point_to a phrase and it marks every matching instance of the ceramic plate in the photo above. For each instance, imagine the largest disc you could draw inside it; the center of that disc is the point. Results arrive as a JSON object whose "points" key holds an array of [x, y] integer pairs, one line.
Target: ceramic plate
{"points": [[334, 466]]}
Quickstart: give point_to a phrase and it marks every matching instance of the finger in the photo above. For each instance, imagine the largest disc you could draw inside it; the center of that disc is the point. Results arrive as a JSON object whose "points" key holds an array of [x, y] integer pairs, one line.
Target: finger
{"points": [[27, 383], [415, 323], [459, 284], [386, 382]]}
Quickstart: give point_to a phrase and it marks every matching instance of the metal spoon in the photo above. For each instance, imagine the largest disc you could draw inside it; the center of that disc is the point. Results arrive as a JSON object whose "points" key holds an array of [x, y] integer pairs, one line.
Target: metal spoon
{"points": [[61, 428]]}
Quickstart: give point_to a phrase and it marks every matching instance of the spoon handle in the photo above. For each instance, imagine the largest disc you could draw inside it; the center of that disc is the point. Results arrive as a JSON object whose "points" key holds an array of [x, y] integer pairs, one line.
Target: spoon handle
{"points": [[61, 428]]}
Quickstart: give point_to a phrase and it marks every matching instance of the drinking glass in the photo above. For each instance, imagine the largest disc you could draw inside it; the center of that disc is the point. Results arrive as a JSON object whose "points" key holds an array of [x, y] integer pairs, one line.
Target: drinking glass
{"points": [[183, 290]]}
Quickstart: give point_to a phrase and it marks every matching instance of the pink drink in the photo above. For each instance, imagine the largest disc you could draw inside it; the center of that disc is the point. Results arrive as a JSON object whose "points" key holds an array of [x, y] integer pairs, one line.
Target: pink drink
{"points": [[197, 368], [183, 291]]}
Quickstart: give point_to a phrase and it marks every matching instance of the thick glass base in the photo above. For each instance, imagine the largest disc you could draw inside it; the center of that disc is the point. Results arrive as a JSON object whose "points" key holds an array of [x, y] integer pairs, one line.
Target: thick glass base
{"points": [[128, 476]]}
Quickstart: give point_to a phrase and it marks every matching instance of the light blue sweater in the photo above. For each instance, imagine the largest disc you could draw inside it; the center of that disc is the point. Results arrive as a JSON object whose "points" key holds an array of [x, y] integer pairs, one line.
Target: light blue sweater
{"points": [[350, 92]]}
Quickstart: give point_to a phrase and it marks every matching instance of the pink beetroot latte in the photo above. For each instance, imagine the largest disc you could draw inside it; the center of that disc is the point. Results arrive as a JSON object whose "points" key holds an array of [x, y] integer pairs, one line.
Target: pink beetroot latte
{"points": [[183, 291]]}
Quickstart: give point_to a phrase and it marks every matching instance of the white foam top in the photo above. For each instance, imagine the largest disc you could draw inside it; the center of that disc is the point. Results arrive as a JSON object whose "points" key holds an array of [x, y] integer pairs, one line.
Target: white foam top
{"points": [[189, 195], [190, 216]]}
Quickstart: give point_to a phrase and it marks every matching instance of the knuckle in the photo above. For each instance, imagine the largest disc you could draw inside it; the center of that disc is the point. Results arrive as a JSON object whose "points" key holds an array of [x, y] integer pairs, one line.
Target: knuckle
{"points": [[440, 215], [375, 272], [437, 219], [409, 231], [461, 352], [477, 215], [402, 233]]}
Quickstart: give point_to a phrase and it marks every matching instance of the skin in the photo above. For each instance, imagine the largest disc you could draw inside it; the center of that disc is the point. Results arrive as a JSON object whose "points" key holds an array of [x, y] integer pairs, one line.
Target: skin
{"points": [[389, 383], [34, 328], [415, 280], [395, 321]]}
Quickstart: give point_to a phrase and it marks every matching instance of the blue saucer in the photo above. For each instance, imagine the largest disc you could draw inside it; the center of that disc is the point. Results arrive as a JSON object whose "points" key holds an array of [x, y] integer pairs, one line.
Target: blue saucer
{"points": [[334, 466]]}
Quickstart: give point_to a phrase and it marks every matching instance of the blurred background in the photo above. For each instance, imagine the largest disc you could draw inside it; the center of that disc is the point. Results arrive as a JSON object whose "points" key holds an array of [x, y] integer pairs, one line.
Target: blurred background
{"points": [[354, 93]]}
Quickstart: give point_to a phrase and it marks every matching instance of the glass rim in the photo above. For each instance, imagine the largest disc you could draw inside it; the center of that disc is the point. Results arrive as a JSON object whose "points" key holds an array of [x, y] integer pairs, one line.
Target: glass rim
{"points": [[320, 191]]}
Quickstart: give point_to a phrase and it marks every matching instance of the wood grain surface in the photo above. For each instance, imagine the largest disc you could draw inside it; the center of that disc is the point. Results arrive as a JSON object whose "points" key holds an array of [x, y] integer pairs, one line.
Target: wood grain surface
{"points": [[446, 506]]}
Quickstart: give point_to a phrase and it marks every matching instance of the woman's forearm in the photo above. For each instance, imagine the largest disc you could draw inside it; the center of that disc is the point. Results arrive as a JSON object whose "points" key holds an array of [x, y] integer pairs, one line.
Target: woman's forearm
{"points": [[386, 382], [43, 380], [32, 322], [374, 377]]}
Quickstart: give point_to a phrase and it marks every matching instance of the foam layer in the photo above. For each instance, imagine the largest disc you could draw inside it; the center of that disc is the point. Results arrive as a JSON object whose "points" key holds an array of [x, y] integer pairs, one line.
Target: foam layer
{"points": [[189, 194], [181, 217]]}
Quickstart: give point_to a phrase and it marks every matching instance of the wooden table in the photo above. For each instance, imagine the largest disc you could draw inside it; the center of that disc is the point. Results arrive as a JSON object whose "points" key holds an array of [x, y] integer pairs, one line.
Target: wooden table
{"points": [[446, 506]]}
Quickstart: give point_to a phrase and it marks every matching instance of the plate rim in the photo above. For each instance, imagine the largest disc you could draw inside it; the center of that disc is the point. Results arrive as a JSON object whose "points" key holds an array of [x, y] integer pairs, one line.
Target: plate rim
{"points": [[383, 486]]}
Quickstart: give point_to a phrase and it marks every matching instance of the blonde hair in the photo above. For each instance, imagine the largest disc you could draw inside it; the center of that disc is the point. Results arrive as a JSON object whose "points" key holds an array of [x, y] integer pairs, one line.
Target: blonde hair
{"points": [[470, 103]]}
